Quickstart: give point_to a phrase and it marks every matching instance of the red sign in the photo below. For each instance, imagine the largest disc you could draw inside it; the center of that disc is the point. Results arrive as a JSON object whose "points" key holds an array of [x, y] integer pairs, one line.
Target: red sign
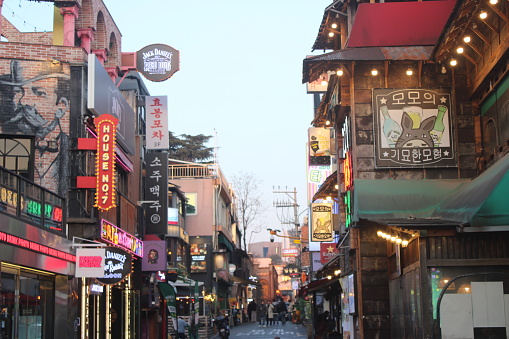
{"points": [[106, 126], [14, 240], [327, 251]]}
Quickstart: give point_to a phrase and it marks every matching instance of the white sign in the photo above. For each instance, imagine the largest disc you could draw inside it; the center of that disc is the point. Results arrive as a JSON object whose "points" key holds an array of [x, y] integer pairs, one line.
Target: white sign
{"points": [[90, 262], [158, 137], [295, 285]]}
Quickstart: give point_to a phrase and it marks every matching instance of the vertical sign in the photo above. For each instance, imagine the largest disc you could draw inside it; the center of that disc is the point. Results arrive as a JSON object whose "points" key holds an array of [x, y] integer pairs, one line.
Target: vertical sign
{"points": [[319, 146], [156, 192], [106, 127], [321, 214], [157, 122], [413, 128]]}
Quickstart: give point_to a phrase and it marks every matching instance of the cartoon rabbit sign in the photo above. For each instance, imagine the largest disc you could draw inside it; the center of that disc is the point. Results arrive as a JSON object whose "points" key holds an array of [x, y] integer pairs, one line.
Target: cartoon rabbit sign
{"points": [[321, 222]]}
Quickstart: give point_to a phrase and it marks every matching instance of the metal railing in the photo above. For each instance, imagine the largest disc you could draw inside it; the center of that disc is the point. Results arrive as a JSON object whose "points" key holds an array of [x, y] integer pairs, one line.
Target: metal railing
{"points": [[21, 198]]}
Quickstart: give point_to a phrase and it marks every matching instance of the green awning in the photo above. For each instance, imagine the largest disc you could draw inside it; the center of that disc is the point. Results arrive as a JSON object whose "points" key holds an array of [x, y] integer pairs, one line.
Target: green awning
{"points": [[223, 240], [481, 201]]}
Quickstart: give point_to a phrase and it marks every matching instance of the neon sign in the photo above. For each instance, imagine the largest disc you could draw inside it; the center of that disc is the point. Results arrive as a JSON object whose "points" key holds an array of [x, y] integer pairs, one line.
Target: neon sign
{"points": [[347, 171], [14, 240], [348, 208], [105, 162], [116, 236]]}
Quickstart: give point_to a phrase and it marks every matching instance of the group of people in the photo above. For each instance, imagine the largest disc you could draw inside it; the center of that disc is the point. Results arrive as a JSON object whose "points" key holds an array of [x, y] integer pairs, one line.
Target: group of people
{"points": [[270, 313]]}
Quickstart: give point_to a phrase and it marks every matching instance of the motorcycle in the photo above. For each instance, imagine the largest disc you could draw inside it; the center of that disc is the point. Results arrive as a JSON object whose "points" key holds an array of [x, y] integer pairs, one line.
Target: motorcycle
{"points": [[222, 324]]}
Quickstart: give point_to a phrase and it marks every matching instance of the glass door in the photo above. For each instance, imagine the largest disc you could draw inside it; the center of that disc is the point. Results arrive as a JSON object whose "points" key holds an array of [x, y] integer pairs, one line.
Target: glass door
{"points": [[7, 304]]}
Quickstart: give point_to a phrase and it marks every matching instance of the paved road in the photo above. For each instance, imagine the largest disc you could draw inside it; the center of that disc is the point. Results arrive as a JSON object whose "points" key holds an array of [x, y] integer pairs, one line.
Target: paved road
{"points": [[253, 331]]}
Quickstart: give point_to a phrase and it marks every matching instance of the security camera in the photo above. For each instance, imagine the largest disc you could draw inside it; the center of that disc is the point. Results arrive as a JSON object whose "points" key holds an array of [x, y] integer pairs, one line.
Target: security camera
{"points": [[272, 239]]}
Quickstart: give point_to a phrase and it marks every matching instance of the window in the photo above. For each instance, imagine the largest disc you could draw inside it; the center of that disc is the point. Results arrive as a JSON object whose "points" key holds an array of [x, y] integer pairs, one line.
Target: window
{"points": [[15, 155], [191, 206]]}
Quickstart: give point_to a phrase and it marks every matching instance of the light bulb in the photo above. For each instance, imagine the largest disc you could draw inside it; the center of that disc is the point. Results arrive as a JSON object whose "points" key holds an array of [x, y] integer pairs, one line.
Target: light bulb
{"points": [[331, 34], [483, 15], [444, 70], [393, 239], [453, 62], [379, 233], [327, 122], [493, 2], [374, 71], [460, 50], [467, 39], [334, 25], [404, 243], [409, 71], [398, 241], [339, 72], [324, 82]]}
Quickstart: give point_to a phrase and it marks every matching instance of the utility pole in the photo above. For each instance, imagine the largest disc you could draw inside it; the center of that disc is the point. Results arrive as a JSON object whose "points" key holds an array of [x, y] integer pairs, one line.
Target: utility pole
{"points": [[290, 202]]}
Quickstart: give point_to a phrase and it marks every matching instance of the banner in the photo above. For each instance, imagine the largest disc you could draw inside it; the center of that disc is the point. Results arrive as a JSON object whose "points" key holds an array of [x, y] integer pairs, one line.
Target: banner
{"points": [[321, 222], [171, 303], [158, 136]]}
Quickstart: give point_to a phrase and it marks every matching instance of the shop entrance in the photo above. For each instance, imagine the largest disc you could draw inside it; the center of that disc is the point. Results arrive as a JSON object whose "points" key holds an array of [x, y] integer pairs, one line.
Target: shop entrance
{"points": [[26, 303]]}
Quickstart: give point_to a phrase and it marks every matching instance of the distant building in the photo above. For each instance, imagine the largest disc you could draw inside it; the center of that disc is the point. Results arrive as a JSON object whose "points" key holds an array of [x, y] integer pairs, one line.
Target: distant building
{"points": [[265, 249]]}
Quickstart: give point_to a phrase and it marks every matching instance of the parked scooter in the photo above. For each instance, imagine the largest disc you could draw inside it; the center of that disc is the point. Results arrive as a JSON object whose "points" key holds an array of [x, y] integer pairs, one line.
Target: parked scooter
{"points": [[222, 324]]}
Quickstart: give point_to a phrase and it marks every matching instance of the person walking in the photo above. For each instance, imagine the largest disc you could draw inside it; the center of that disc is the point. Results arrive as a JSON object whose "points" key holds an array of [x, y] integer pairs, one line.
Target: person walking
{"points": [[276, 313], [262, 314], [251, 311], [281, 309], [270, 313]]}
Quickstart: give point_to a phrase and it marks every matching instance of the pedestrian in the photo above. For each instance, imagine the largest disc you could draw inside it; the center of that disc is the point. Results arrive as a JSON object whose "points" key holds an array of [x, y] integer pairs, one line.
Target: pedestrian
{"points": [[251, 311], [276, 313], [181, 327], [281, 309], [262, 314], [270, 312]]}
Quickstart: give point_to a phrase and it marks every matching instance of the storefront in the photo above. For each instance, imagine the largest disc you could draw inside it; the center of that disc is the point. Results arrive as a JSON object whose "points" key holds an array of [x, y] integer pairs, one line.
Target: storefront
{"points": [[110, 302]]}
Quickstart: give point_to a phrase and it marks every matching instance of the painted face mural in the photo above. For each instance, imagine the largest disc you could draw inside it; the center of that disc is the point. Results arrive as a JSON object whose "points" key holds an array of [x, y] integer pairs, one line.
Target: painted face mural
{"points": [[34, 102]]}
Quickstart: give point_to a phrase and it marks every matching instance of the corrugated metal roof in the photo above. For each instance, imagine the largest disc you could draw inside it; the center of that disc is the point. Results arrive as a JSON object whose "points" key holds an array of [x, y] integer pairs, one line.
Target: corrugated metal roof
{"points": [[315, 65]]}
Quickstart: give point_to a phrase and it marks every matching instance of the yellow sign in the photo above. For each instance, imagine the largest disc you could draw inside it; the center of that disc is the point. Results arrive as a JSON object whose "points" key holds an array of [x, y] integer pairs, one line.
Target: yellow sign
{"points": [[296, 241]]}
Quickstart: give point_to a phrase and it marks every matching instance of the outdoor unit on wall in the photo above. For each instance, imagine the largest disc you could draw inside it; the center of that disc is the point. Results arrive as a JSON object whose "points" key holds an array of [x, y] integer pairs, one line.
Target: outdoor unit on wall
{"points": [[128, 61]]}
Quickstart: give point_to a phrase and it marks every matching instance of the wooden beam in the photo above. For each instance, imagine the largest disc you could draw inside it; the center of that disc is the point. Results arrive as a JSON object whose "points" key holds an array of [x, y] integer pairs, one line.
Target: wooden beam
{"points": [[499, 13], [480, 35]]}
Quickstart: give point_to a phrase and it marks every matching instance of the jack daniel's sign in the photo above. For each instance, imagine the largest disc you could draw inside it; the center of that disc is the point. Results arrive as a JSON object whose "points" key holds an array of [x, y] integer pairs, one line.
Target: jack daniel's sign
{"points": [[117, 265], [157, 62]]}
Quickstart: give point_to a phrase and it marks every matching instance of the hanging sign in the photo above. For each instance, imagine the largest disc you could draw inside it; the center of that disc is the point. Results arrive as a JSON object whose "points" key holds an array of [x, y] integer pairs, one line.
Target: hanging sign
{"points": [[321, 214], [157, 62], [158, 137], [117, 236], [156, 193], [319, 146], [90, 262], [327, 251], [413, 128], [117, 265], [106, 126]]}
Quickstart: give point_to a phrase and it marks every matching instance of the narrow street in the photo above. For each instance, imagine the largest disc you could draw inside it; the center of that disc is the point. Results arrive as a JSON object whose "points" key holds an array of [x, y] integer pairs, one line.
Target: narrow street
{"points": [[254, 331]]}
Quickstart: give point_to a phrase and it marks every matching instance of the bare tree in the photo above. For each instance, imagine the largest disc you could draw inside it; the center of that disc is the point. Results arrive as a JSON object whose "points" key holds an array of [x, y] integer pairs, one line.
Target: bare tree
{"points": [[249, 203]]}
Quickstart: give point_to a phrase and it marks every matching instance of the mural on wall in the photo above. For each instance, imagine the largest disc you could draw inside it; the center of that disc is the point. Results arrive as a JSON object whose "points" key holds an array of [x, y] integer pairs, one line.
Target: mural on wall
{"points": [[413, 128], [34, 101]]}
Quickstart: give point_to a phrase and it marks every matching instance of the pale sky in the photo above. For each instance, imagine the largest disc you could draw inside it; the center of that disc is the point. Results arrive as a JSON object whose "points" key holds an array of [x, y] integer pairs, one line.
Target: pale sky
{"points": [[239, 79]]}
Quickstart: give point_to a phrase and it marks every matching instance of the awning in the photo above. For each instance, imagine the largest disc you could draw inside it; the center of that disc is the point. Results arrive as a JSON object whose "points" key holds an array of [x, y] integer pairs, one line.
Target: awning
{"points": [[244, 282], [476, 202], [223, 240], [322, 285], [399, 23]]}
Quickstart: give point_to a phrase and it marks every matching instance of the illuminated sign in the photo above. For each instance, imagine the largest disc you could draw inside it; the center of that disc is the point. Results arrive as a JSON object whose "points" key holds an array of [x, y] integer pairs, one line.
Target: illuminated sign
{"points": [[14, 240], [89, 262], [348, 209], [96, 289], [116, 236], [321, 222], [290, 252], [327, 251], [106, 126], [52, 214], [117, 265], [347, 171]]}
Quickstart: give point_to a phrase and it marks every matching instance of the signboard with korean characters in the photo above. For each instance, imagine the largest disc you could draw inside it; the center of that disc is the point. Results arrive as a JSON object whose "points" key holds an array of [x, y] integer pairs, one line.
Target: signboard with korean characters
{"points": [[158, 136], [413, 128], [156, 193]]}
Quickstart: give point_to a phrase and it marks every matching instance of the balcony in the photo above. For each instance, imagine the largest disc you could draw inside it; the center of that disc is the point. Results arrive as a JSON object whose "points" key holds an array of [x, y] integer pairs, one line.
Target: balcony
{"points": [[194, 171], [32, 203]]}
